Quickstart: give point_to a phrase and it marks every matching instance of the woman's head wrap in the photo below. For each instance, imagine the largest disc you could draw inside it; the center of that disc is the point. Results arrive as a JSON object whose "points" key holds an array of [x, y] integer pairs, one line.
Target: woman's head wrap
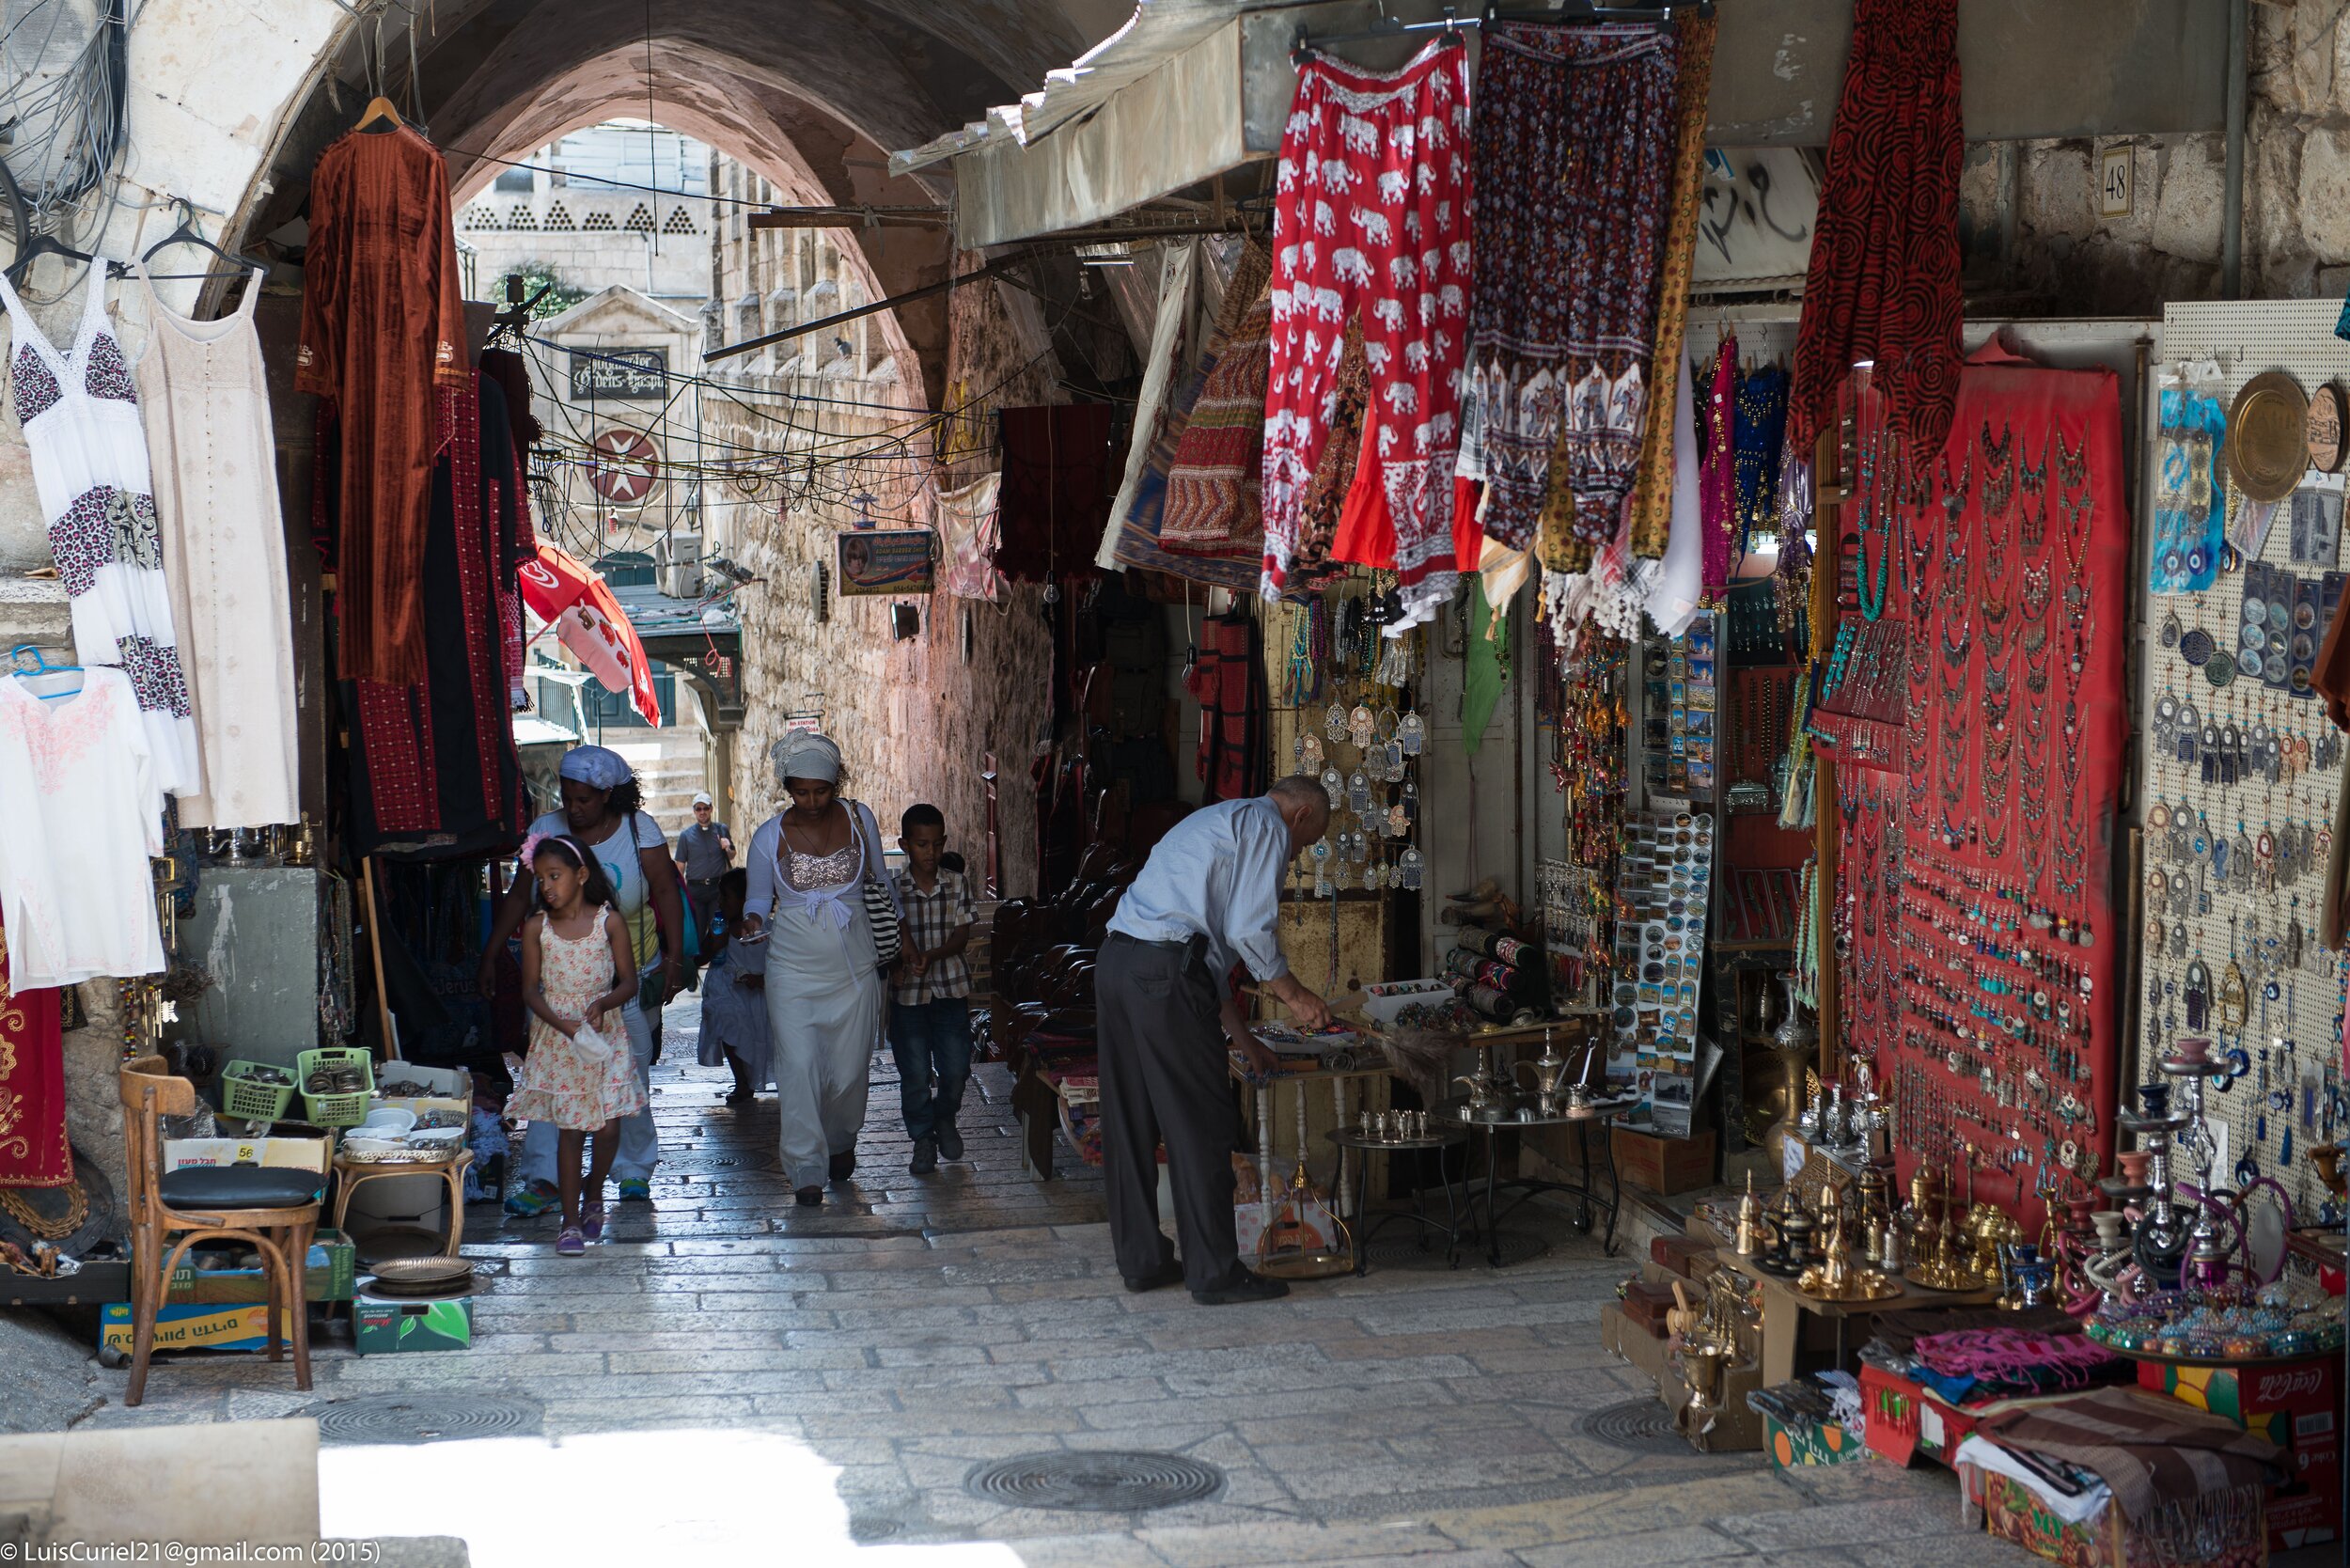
{"points": [[806, 754], [598, 767]]}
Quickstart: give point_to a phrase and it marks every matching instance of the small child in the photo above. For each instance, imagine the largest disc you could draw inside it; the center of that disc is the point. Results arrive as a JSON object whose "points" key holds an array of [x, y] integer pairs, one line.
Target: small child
{"points": [[929, 1018], [578, 969], [734, 1004]]}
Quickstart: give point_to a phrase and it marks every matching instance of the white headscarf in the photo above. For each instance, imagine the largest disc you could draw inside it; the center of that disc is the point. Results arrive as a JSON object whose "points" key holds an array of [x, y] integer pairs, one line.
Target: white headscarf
{"points": [[805, 754]]}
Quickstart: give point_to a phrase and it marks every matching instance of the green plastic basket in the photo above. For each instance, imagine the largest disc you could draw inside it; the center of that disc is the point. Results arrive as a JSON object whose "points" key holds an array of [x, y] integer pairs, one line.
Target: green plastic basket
{"points": [[241, 1096], [337, 1110]]}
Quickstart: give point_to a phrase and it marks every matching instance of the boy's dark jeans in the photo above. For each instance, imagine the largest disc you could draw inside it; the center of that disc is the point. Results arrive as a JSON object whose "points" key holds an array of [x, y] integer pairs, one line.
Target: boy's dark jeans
{"points": [[932, 1042]]}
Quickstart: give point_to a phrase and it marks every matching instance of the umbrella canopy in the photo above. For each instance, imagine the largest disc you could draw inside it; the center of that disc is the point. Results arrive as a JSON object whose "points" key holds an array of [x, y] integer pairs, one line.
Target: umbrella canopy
{"points": [[588, 621]]}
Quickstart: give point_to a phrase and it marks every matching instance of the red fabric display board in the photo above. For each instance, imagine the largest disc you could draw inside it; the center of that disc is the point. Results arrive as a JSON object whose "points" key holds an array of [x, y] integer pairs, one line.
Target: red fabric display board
{"points": [[33, 1147], [1978, 872]]}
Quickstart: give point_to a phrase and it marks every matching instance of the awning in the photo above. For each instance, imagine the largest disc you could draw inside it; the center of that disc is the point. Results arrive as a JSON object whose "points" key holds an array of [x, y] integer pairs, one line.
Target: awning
{"points": [[1190, 89]]}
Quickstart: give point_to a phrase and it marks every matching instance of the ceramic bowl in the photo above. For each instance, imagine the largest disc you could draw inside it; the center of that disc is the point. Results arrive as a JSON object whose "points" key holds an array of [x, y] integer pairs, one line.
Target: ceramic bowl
{"points": [[387, 1121]]}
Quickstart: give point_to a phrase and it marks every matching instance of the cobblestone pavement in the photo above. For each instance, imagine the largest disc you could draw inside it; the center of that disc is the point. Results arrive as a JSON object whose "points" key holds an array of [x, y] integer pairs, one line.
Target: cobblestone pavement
{"points": [[733, 1379]]}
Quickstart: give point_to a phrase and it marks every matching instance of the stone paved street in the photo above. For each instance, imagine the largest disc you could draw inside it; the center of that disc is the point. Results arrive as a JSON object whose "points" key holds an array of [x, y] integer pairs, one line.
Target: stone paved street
{"points": [[733, 1380]]}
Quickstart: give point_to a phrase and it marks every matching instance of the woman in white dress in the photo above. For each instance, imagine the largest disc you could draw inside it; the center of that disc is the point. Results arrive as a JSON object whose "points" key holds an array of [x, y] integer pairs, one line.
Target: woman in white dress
{"points": [[809, 868]]}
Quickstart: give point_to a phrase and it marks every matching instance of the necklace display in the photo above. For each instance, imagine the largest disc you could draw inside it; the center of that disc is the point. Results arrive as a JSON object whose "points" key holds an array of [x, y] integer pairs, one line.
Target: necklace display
{"points": [[1967, 923]]}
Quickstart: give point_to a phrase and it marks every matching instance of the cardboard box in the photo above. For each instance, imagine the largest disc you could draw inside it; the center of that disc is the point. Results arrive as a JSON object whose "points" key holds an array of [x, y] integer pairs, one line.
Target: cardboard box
{"points": [[1679, 1253], [1815, 1443], [385, 1326], [2296, 1405], [1737, 1426], [2015, 1512], [193, 1328], [328, 1275], [1619, 1335], [452, 1097], [1664, 1165], [284, 1153]]}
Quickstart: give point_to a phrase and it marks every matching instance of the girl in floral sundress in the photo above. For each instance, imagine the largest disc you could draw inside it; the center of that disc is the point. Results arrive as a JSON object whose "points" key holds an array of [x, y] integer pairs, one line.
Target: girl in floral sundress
{"points": [[578, 970]]}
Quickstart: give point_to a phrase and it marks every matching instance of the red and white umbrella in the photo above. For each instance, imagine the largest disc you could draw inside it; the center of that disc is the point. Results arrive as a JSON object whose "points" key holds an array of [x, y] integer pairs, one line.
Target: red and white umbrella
{"points": [[586, 619]]}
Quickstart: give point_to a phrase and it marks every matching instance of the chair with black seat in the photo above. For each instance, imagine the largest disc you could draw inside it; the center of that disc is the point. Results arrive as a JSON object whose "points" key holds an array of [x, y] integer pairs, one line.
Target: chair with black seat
{"points": [[275, 1210]]}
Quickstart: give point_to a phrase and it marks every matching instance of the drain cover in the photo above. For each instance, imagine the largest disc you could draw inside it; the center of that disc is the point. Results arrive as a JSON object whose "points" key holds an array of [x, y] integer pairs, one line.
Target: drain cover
{"points": [[1110, 1480], [1635, 1426], [865, 1527], [424, 1418]]}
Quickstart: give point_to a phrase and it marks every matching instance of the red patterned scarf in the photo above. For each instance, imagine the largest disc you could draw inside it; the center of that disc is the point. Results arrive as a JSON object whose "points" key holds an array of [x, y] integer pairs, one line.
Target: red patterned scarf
{"points": [[33, 1147]]}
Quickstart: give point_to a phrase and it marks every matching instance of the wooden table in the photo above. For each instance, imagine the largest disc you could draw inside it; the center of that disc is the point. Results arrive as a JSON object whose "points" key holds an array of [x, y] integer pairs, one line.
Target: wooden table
{"points": [[1783, 1307]]}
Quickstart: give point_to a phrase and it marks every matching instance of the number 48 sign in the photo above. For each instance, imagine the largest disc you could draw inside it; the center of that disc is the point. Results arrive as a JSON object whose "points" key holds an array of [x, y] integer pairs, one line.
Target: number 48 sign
{"points": [[2114, 180]]}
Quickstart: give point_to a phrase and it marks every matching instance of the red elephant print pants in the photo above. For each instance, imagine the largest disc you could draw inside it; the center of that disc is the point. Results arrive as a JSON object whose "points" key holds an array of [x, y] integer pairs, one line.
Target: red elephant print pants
{"points": [[1371, 216]]}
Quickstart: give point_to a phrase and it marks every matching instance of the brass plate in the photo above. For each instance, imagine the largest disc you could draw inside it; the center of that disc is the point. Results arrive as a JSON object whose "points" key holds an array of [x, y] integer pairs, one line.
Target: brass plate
{"points": [[2324, 428], [1863, 1284], [2269, 439]]}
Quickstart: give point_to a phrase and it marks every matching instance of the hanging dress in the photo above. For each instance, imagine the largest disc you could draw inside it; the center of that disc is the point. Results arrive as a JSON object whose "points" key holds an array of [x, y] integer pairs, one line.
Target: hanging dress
{"points": [[80, 417], [224, 554]]}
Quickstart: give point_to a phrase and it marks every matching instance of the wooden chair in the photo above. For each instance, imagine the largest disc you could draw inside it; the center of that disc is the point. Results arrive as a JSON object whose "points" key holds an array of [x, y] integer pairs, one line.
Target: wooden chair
{"points": [[274, 1209]]}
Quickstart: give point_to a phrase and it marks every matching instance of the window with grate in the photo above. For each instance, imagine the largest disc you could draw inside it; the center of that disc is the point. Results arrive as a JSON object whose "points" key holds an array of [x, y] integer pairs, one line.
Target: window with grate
{"points": [[598, 223], [520, 218], [559, 219], [480, 217], [639, 221], [678, 223]]}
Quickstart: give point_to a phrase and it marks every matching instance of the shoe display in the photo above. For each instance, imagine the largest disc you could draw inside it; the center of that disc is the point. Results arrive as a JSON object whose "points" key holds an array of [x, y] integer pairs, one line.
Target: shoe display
{"points": [[949, 1144], [925, 1158], [1243, 1286]]}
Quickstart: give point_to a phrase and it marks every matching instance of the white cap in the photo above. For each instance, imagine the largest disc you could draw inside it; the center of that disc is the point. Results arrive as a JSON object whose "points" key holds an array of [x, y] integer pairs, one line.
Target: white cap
{"points": [[702, 798]]}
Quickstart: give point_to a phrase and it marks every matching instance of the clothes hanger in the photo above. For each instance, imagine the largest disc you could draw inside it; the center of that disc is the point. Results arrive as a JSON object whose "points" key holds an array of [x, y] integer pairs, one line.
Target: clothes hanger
{"points": [[379, 108], [49, 244], [188, 234], [42, 666]]}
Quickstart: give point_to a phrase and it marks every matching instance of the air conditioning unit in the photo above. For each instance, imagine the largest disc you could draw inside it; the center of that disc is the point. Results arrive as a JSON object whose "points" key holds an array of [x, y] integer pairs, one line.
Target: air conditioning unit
{"points": [[677, 565]]}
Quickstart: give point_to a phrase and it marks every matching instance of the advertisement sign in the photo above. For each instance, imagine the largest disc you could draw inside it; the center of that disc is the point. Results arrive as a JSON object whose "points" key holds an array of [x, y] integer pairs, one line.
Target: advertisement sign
{"points": [[885, 560], [618, 373]]}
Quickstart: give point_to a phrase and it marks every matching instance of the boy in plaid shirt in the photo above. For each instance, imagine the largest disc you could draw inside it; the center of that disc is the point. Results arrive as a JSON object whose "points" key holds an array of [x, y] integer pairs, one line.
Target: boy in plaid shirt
{"points": [[930, 1016]]}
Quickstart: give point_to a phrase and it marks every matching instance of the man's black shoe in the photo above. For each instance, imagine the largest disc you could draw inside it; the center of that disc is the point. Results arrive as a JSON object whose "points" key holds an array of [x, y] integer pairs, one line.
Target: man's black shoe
{"points": [[1243, 1286], [1168, 1272]]}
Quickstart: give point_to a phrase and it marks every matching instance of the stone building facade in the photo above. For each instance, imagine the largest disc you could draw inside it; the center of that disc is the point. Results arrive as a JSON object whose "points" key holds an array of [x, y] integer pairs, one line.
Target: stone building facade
{"points": [[830, 430], [581, 208]]}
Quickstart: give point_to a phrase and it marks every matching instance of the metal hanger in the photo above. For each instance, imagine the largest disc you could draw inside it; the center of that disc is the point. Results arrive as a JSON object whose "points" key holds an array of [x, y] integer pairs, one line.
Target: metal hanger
{"points": [[1571, 13], [187, 234]]}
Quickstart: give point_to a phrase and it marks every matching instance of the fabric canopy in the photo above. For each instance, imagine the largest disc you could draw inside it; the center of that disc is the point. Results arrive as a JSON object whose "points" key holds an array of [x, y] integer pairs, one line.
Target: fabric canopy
{"points": [[586, 619]]}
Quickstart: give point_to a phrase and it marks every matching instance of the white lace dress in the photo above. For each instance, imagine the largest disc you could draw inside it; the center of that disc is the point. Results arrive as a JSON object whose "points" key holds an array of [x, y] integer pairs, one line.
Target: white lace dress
{"points": [[214, 462]]}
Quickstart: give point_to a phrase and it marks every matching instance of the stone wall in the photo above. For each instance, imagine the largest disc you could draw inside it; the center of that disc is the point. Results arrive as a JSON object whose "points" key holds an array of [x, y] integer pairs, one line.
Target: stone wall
{"points": [[913, 716], [2297, 191]]}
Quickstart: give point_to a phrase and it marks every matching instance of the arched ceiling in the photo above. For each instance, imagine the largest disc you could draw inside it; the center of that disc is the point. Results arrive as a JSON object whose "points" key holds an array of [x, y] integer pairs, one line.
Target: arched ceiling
{"points": [[814, 94]]}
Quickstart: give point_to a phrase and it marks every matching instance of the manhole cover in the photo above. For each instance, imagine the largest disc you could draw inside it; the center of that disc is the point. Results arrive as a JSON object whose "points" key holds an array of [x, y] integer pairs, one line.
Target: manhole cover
{"points": [[1397, 1246], [1107, 1482], [865, 1527], [1635, 1426], [424, 1418]]}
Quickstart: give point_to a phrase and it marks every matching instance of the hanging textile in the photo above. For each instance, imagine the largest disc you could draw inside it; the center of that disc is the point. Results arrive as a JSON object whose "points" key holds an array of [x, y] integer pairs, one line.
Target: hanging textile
{"points": [[1054, 492], [1563, 549], [1214, 489], [1756, 444], [214, 456], [1370, 213], [1676, 585], [81, 811], [1329, 494], [1574, 152], [1229, 684], [431, 766], [33, 1147], [512, 374], [966, 539], [382, 325], [1481, 669], [1717, 474], [80, 413], [1171, 347], [1883, 283]]}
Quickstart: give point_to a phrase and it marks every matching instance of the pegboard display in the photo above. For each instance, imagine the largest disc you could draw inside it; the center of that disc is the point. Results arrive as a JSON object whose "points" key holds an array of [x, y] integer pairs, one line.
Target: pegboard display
{"points": [[2239, 767]]}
